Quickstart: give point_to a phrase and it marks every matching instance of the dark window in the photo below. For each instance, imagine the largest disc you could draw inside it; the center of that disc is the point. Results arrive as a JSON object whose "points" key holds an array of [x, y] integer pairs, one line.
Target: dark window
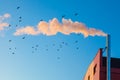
{"points": [[89, 77], [94, 69], [114, 62]]}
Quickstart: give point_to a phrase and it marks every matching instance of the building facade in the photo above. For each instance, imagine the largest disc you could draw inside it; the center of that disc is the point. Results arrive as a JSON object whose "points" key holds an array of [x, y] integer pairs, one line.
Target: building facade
{"points": [[97, 68]]}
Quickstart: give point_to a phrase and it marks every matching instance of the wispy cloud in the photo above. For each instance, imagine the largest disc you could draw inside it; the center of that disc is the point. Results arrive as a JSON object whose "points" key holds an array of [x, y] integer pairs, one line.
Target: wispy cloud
{"points": [[54, 26], [27, 30], [4, 24]]}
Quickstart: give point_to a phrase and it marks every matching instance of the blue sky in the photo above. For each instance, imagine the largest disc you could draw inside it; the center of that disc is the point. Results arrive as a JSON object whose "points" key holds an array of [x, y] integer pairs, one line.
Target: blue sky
{"points": [[56, 57]]}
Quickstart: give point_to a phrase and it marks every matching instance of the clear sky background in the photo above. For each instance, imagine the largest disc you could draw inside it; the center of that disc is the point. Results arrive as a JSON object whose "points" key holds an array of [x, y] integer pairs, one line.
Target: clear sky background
{"points": [[58, 57]]}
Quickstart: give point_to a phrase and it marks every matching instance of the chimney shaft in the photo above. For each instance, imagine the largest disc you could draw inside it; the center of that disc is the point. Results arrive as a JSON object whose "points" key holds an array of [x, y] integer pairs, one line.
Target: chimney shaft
{"points": [[108, 51]]}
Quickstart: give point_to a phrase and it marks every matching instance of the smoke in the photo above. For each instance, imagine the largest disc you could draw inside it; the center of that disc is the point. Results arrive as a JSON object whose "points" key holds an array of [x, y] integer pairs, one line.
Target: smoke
{"points": [[54, 26], [4, 24]]}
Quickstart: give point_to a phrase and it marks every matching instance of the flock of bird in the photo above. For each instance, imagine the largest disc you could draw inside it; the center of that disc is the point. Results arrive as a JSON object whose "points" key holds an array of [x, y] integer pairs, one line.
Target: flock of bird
{"points": [[36, 47]]}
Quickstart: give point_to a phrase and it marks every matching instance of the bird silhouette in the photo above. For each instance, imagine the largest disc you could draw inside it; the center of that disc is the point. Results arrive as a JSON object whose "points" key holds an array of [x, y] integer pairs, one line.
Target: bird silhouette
{"points": [[77, 48], [18, 7], [76, 14], [10, 40], [63, 42], [58, 49], [20, 20], [9, 25], [9, 48], [41, 20], [16, 25], [37, 45], [13, 53], [20, 17], [76, 41], [23, 37], [63, 16]]}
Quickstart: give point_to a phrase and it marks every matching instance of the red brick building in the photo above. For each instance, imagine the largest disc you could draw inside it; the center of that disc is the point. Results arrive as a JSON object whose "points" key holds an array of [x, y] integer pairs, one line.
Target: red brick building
{"points": [[97, 68]]}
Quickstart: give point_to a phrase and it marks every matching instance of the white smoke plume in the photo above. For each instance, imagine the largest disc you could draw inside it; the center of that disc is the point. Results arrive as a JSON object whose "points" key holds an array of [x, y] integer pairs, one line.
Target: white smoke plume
{"points": [[4, 24], [54, 26]]}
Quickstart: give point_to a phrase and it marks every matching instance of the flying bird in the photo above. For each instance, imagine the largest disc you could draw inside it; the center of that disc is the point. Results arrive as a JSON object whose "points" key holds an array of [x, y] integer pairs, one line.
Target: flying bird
{"points": [[9, 48], [58, 49], [77, 48], [20, 17], [23, 37], [9, 25], [63, 42], [20, 20], [18, 7], [76, 41], [76, 14], [41, 20], [16, 25], [13, 53], [37, 45], [63, 16], [10, 40]]}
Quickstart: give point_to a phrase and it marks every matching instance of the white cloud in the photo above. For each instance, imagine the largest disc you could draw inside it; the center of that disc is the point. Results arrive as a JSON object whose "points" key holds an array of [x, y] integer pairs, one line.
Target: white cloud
{"points": [[54, 26], [27, 30], [6, 15], [4, 24]]}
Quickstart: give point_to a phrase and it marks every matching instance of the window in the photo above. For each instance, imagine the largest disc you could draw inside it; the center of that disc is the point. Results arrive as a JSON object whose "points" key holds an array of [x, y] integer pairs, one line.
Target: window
{"points": [[89, 77], [94, 69]]}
